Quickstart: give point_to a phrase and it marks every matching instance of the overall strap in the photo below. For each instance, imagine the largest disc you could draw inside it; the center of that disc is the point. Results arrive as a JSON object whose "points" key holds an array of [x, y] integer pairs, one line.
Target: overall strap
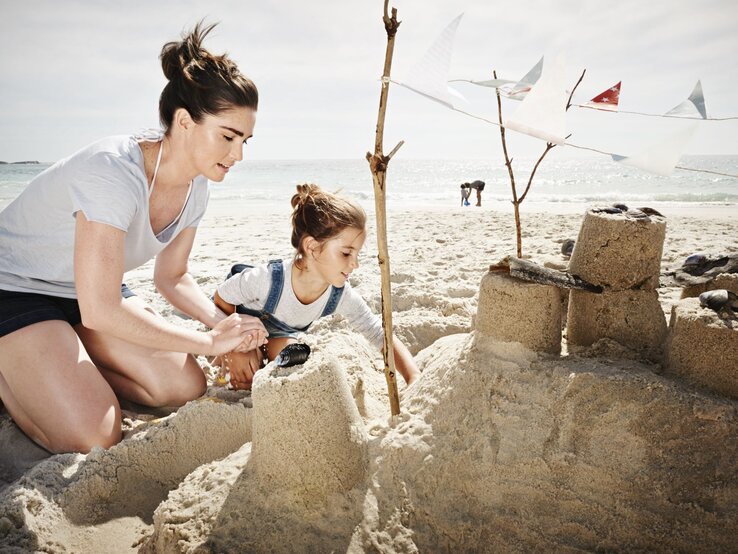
{"points": [[333, 300], [275, 289]]}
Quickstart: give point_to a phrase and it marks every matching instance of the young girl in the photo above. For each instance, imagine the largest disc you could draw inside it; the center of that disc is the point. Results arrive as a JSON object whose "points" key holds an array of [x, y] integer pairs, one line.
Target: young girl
{"points": [[328, 232]]}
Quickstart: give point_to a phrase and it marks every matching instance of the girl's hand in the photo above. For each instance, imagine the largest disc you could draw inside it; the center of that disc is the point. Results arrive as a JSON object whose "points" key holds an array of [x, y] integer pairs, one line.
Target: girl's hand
{"points": [[242, 368]]}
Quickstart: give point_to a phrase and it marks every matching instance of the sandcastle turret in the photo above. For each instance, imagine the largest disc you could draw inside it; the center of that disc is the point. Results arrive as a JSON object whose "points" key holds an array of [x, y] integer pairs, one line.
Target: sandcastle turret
{"points": [[514, 310], [308, 436], [619, 250]]}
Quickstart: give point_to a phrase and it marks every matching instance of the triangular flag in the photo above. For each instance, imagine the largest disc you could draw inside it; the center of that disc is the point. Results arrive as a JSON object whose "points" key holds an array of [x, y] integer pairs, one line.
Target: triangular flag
{"points": [[694, 106], [429, 77], [523, 87], [661, 157], [607, 100], [493, 83], [542, 113], [520, 88]]}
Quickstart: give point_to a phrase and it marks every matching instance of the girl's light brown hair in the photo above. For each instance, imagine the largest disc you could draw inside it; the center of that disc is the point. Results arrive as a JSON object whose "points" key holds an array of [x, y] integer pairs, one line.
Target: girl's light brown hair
{"points": [[321, 215], [199, 81]]}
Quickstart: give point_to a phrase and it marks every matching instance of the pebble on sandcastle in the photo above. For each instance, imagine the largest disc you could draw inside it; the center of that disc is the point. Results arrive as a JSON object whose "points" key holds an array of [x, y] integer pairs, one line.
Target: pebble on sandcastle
{"points": [[619, 250]]}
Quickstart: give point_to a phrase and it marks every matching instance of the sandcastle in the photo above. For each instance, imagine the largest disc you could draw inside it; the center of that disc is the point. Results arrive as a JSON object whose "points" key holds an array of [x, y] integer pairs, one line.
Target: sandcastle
{"points": [[620, 250], [613, 275], [702, 348], [293, 447], [513, 310]]}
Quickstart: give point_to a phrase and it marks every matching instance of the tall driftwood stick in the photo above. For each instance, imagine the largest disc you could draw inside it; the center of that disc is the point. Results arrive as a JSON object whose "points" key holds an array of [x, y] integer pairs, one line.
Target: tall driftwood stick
{"points": [[378, 165]]}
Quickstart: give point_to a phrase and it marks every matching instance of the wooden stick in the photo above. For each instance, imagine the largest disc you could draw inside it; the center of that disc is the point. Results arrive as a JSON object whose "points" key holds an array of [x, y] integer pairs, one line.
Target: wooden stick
{"points": [[378, 165]]}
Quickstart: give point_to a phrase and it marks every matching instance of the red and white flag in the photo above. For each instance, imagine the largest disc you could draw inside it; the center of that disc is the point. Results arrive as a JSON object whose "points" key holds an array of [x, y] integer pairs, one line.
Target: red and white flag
{"points": [[607, 100]]}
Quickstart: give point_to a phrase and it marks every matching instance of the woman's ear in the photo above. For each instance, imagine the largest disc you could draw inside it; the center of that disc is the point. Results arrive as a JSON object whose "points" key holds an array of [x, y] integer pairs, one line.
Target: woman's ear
{"points": [[182, 119]]}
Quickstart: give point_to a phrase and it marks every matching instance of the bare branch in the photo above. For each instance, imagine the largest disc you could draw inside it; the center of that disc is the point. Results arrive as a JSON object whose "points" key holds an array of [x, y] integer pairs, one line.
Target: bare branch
{"points": [[394, 150], [549, 146], [568, 102]]}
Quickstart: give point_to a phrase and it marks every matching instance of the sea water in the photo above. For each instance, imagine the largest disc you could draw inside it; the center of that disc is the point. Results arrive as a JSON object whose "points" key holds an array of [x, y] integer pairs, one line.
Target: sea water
{"points": [[435, 183]]}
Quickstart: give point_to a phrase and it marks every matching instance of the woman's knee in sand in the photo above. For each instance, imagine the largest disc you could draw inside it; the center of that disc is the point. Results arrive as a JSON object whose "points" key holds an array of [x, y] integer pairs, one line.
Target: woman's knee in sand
{"points": [[168, 383]]}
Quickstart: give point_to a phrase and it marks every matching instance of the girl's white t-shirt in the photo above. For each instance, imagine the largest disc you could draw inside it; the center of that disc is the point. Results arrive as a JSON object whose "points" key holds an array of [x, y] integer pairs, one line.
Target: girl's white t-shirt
{"points": [[107, 182], [250, 288]]}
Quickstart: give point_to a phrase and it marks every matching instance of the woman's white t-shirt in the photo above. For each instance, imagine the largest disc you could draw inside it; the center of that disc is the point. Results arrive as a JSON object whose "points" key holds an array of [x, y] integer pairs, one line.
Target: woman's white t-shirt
{"points": [[108, 183]]}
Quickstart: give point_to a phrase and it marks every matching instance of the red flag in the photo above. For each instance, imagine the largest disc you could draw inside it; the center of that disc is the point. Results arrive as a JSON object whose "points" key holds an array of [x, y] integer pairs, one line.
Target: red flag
{"points": [[607, 100]]}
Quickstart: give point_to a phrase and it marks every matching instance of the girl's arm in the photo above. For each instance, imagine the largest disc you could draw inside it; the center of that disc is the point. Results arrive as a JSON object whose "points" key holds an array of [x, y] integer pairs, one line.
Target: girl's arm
{"points": [[241, 366], [99, 251], [354, 308], [404, 361]]}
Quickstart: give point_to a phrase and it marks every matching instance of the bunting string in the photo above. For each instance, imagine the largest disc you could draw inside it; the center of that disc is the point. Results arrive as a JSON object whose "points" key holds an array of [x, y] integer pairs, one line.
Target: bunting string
{"points": [[542, 109], [577, 146]]}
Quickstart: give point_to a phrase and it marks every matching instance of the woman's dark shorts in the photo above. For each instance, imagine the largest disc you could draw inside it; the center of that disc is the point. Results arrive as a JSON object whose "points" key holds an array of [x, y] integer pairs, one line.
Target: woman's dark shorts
{"points": [[21, 309]]}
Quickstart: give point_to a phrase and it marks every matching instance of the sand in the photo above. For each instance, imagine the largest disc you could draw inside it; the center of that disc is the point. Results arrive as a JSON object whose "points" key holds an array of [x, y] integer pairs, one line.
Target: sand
{"points": [[497, 449]]}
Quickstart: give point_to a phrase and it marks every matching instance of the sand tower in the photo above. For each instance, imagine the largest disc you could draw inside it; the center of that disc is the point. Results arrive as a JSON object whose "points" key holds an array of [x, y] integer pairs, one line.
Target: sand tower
{"points": [[308, 436], [702, 348], [620, 251], [514, 310]]}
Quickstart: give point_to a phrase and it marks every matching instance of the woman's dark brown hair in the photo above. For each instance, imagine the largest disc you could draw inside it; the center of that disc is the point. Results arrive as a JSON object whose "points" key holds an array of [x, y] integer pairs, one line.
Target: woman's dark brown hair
{"points": [[199, 81], [321, 215]]}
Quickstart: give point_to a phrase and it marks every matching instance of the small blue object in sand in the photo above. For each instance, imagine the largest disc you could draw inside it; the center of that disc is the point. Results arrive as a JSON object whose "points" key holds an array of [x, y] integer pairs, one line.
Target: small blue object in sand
{"points": [[466, 203]]}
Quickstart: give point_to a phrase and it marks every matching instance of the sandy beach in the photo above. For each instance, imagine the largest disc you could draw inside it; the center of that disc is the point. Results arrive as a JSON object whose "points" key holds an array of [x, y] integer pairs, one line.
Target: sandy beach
{"points": [[497, 449]]}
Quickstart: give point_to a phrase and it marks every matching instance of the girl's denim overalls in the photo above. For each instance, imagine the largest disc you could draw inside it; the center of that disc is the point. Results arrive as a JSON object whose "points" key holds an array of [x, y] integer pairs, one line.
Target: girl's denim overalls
{"points": [[274, 326]]}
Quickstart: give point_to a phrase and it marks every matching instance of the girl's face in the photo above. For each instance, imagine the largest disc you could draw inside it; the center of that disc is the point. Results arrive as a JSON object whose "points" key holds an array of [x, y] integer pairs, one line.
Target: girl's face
{"points": [[336, 258], [216, 143]]}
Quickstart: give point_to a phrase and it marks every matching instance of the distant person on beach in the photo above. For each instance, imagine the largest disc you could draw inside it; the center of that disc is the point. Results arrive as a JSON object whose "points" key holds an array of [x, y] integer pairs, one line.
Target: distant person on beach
{"points": [[72, 338], [465, 193], [479, 187], [466, 189], [328, 231]]}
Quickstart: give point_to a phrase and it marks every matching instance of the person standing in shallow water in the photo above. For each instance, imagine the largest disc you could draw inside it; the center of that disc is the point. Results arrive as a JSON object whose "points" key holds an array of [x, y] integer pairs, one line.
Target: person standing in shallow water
{"points": [[72, 337]]}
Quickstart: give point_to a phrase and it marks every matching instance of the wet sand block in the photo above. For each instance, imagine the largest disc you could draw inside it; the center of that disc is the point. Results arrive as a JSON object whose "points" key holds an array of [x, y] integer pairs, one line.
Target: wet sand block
{"points": [[619, 252], [702, 348], [633, 318], [512, 310], [308, 436], [727, 281]]}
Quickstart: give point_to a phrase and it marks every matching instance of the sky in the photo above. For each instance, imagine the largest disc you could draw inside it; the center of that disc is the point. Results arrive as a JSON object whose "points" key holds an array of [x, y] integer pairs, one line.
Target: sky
{"points": [[72, 72]]}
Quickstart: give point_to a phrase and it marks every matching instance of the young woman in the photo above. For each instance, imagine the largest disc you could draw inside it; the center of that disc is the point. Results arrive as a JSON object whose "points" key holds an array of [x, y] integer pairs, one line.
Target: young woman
{"points": [[328, 231], [71, 337]]}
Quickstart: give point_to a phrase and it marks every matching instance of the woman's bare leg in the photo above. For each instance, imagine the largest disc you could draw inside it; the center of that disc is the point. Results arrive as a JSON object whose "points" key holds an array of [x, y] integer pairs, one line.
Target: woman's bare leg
{"points": [[141, 374], [54, 392]]}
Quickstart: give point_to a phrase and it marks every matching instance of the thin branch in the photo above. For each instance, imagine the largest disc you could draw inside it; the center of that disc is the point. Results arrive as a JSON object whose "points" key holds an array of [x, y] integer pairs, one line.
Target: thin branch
{"points": [[508, 161], [388, 157], [549, 147], [568, 102]]}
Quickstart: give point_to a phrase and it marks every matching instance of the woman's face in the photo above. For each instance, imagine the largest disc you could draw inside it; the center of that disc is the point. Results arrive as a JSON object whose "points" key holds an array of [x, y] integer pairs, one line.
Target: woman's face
{"points": [[217, 142]]}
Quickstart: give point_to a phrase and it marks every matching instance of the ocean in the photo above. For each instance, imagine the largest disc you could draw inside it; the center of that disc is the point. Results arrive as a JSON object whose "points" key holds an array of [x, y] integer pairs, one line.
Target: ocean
{"points": [[435, 183]]}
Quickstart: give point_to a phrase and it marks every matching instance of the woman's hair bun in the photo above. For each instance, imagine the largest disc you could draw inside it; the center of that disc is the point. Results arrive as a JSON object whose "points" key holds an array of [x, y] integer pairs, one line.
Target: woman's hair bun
{"points": [[176, 57]]}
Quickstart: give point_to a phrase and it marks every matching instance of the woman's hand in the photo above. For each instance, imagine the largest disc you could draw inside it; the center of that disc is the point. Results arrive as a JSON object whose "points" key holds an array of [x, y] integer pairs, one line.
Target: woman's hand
{"points": [[233, 332]]}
